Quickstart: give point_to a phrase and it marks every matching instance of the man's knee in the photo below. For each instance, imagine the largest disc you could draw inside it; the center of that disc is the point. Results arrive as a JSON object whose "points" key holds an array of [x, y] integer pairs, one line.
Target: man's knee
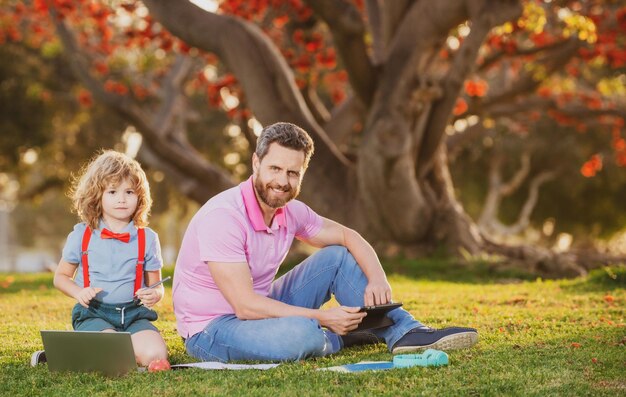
{"points": [[306, 339], [333, 251], [336, 254]]}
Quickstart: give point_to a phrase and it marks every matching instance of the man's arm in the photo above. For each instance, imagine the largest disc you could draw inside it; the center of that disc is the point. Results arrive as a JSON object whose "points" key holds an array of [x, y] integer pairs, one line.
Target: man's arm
{"points": [[378, 290], [235, 282]]}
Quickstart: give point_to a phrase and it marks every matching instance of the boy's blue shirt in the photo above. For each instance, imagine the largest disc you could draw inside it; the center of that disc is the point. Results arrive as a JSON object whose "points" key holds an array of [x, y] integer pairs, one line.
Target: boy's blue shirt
{"points": [[112, 262]]}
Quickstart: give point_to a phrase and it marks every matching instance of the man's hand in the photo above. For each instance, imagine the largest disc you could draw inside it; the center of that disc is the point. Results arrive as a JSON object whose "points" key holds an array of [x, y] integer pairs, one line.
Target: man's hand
{"points": [[85, 295], [149, 297], [377, 292], [342, 319]]}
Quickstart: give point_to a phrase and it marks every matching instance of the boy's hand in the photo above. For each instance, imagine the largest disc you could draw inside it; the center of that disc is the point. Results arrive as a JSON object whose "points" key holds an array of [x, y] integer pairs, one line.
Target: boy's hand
{"points": [[149, 297], [86, 295]]}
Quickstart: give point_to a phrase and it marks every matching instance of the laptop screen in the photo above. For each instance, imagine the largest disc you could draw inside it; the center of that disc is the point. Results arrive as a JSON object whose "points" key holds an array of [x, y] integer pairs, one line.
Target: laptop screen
{"points": [[110, 353]]}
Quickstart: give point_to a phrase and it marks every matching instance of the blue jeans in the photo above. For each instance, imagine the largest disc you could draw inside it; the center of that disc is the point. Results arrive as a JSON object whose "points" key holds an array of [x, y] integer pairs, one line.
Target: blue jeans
{"points": [[331, 270]]}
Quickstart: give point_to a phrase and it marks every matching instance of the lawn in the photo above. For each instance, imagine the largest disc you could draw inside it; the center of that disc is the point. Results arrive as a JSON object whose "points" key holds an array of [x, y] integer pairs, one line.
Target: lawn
{"points": [[537, 337]]}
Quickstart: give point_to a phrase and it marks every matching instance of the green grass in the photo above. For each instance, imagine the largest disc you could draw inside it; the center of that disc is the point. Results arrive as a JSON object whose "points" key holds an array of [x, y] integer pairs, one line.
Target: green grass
{"points": [[537, 337]]}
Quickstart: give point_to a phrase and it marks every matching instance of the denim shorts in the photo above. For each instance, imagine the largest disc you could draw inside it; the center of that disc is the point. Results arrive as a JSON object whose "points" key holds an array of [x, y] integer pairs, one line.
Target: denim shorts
{"points": [[121, 317]]}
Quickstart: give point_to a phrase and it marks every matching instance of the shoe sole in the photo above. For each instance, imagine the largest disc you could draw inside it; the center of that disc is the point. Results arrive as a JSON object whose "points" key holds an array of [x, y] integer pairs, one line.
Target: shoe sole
{"points": [[451, 342], [35, 359]]}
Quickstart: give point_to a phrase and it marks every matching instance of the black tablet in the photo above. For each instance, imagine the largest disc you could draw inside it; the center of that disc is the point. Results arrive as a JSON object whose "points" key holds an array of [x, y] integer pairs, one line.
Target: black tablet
{"points": [[376, 316]]}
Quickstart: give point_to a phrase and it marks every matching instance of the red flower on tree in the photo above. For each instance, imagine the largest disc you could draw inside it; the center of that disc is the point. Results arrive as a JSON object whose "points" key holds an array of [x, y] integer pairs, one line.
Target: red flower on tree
{"points": [[84, 98], [591, 166], [460, 107], [327, 59], [476, 88], [115, 87], [280, 21], [101, 68]]}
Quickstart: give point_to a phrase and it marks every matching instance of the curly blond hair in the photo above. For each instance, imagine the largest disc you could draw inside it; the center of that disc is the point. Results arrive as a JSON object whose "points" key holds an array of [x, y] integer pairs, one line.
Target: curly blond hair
{"points": [[109, 168]]}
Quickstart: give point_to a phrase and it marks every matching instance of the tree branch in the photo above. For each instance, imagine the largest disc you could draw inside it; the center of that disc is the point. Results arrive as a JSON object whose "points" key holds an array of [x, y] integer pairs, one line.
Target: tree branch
{"points": [[345, 120], [488, 221], [536, 102], [484, 16], [527, 82], [455, 143], [170, 93], [79, 63], [260, 68], [511, 108], [181, 156], [270, 90], [394, 13], [529, 205], [518, 178], [584, 112], [487, 62], [315, 104], [374, 15], [191, 187], [348, 30], [533, 194], [410, 42]]}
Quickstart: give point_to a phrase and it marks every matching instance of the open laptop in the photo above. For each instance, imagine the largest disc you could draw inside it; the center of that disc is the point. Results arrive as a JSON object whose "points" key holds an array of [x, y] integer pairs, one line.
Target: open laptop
{"points": [[109, 353]]}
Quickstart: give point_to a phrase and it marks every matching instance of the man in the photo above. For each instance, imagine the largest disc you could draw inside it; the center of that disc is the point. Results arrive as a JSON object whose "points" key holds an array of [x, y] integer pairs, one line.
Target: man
{"points": [[227, 304]]}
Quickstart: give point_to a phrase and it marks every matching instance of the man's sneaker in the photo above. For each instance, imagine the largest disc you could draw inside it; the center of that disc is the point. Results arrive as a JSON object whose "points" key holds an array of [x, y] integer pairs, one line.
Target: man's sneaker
{"points": [[360, 338], [419, 339], [38, 357]]}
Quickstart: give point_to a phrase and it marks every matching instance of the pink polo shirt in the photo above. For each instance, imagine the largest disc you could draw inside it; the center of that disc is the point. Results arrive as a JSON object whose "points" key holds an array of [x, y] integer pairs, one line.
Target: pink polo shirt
{"points": [[230, 228]]}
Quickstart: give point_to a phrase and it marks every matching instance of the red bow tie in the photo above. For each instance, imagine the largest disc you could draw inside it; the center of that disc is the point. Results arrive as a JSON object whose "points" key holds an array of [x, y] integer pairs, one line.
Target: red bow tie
{"points": [[106, 233]]}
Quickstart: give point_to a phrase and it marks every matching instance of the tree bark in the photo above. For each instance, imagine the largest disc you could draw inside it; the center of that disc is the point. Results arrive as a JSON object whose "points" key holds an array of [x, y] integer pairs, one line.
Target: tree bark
{"points": [[348, 31], [409, 197], [401, 178], [271, 93], [400, 200], [176, 157]]}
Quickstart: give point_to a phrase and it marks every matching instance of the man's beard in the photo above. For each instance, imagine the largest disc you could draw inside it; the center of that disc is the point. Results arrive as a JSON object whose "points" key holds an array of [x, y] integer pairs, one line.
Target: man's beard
{"points": [[263, 191]]}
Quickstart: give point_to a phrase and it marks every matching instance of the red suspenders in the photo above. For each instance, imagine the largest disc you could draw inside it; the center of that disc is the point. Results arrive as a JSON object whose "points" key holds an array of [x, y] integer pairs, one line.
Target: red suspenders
{"points": [[141, 242], [83, 250]]}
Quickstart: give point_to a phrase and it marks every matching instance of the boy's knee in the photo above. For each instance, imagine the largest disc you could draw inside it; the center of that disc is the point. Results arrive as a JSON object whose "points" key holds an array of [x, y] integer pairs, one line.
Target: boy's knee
{"points": [[147, 354], [149, 346]]}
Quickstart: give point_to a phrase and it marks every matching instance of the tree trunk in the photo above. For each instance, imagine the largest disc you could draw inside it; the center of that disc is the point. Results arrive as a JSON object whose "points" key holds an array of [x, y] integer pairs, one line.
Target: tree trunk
{"points": [[399, 189], [404, 183], [402, 207], [452, 225], [396, 207]]}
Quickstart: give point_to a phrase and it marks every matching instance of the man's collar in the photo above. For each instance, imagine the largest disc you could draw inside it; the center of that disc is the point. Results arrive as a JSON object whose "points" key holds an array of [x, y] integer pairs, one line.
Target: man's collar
{"points": [[253, 208]]}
